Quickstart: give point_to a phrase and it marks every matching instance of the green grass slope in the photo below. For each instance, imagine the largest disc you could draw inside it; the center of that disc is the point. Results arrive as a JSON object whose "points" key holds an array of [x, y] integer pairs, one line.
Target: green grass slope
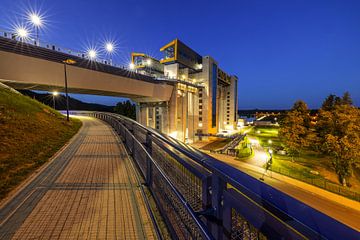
{"points": [[30, 133]]}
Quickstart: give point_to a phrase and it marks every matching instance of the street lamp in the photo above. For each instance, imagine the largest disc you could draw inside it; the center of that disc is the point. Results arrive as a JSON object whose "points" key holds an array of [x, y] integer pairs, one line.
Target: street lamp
{"points": [[67, 62], [54, 94], [148, 63], [92, 54], [132, 66], [109, 49], [36, 21], [22, 33]]}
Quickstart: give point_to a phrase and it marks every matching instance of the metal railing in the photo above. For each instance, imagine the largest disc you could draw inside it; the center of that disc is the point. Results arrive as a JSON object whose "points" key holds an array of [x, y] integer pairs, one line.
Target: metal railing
{"points": [[200, 197]]}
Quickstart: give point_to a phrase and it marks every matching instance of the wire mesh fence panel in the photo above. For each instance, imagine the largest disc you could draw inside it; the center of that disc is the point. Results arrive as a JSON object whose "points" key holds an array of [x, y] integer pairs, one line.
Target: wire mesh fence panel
{"points": [[181, 222], [189, 185], [241, 229], [140, 134]]}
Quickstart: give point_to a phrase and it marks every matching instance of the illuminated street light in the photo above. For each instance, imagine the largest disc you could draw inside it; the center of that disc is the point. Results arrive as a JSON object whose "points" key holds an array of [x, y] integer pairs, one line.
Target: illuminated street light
{"points": [[36, 20], [54, 94], [22, 33], [148, 62], [132, 66], [67, 62], [92, 54], [109, 47], [270, 142]]}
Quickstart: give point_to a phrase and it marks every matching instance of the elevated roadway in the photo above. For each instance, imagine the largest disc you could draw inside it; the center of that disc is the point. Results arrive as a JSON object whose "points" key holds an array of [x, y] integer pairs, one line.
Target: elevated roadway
{"points": [[25, 66]]}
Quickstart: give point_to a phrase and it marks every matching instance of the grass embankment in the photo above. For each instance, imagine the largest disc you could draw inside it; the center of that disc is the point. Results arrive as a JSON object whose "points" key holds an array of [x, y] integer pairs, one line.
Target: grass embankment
{"points": [[30, 133]]}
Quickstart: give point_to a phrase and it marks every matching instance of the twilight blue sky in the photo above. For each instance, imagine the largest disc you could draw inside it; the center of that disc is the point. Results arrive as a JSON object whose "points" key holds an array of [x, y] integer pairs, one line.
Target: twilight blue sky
{"points": [[280, 50]]}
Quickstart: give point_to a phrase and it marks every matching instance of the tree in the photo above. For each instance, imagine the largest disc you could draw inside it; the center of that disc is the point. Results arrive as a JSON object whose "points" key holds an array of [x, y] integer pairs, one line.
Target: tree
{"points": [[329, 102], [346, 99], [342, 142], [295, 128], [325, 123], [126, 109]]}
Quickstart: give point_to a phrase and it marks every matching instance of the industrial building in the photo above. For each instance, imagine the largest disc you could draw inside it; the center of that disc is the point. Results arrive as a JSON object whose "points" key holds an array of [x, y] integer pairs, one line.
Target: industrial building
{"points": [[204, 101]]}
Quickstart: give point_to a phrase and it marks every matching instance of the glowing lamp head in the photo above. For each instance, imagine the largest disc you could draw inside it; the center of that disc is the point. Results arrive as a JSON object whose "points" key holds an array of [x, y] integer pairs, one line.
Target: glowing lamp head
{"points": [[55, 93], [270, 142], [35, 19], [148, 62], [92, 54], [22, 32], [132, 66], [109, 47]]}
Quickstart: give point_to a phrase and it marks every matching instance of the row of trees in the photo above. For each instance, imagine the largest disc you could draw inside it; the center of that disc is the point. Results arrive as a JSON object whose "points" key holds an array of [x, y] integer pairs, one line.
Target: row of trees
{"points": [[335, 131], [126, 108]]}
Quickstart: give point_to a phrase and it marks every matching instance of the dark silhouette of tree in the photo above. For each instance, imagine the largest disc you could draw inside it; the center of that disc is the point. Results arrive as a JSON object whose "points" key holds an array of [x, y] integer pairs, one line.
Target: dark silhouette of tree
{"points": [[346, 99], [329, 102], [126, 109]]}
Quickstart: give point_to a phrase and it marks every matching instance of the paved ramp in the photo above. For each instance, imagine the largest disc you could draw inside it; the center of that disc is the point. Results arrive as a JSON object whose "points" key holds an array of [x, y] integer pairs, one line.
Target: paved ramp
{"points": [[88, 192]]}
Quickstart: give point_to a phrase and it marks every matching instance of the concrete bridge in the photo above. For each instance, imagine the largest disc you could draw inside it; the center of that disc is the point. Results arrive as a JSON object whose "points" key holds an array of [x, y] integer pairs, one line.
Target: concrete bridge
{"points": [[24, 66]]}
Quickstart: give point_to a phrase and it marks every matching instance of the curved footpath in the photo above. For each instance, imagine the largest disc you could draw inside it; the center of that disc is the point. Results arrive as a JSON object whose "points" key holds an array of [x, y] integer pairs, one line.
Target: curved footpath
{"points": [[88, 191]]}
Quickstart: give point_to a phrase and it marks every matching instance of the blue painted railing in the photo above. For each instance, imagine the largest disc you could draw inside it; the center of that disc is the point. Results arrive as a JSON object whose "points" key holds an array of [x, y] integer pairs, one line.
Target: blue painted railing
{"points": [[200, 197]]}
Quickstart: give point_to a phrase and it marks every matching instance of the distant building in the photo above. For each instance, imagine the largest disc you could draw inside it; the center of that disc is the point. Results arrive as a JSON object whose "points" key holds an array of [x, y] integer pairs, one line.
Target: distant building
{"points": [[206, 108]]}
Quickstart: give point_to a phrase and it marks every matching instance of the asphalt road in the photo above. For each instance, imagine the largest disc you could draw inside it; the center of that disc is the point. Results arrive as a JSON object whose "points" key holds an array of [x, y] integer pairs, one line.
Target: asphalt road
{"points": [[347, 213]]}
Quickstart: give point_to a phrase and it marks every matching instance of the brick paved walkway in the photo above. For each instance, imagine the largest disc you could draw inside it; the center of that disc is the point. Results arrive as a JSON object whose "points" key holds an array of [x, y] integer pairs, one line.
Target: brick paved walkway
{"points": [[87, 192]]}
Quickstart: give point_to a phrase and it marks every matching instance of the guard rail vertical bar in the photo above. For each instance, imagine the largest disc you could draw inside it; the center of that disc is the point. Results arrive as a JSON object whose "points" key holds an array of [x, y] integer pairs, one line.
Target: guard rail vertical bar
{"points": [[217, 194]]}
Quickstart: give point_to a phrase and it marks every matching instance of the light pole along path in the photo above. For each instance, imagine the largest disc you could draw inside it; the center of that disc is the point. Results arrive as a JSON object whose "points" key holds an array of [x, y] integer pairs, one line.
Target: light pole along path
{"points": [[88, 191]]}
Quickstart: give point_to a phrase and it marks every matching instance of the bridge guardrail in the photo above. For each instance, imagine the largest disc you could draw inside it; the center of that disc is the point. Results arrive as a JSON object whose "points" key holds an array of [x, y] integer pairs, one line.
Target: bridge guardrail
{"points": [[203, 198]]}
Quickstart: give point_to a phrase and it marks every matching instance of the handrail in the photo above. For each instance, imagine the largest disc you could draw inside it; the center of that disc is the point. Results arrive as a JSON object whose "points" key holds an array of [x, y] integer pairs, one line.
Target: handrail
{"points": [[274, 212], [260, 192]]}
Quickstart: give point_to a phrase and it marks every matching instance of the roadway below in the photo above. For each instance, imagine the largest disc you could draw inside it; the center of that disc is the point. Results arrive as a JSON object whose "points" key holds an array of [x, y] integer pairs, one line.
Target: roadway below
{"points": [[87, 191], [338, 207]]}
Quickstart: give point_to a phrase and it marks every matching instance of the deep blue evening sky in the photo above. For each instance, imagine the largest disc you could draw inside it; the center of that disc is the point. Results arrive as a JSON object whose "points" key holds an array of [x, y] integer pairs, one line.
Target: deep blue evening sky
{"points": [[280, 50]]}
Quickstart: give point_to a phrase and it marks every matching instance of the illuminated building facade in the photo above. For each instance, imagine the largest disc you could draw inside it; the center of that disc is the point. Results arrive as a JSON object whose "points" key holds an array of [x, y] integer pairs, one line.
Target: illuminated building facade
{"points": [[204, 101]]}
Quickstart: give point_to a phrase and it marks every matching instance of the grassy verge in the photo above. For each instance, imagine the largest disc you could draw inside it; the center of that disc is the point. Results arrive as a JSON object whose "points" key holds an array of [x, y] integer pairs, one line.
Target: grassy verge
{"points": [[30, 133]]}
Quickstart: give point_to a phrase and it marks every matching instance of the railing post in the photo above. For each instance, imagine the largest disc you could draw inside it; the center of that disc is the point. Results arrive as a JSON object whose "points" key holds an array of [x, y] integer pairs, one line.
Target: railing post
{"points": [[217, 194], [148, 160]]}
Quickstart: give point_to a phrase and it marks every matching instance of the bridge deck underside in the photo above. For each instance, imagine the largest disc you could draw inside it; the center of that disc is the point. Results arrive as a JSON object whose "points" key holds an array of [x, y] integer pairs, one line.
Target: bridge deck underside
{"points": [[88, 192]]}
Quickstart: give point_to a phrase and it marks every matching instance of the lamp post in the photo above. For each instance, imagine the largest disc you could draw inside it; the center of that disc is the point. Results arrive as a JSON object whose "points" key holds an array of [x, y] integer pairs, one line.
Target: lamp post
{"points": [[109, 49], [22, 33], [67, 62], [148, 63], [54, 94], [36, 21]]}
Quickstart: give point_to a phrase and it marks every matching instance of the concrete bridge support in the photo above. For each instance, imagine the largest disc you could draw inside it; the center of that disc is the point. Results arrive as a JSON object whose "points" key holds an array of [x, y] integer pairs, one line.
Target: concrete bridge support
{"points": [[176, 117]]}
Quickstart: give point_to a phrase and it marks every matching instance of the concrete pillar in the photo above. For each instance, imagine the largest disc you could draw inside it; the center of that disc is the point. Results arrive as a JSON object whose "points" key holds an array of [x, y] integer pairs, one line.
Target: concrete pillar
{"points": [[142, 114], [172, 113]]}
